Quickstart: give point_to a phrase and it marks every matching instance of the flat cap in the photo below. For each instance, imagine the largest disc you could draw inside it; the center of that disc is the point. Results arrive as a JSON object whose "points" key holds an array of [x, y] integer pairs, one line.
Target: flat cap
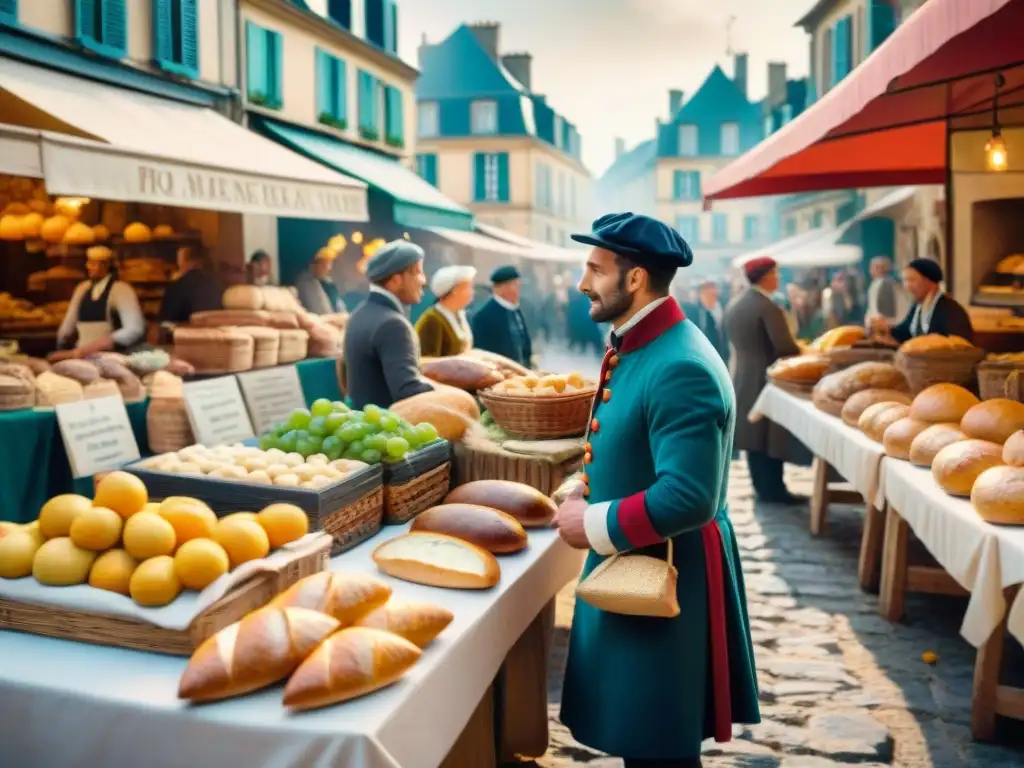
{"points": [[505, 274], [641, 239], [446, 278], [755, 269], [392, 258], [928, 269]]}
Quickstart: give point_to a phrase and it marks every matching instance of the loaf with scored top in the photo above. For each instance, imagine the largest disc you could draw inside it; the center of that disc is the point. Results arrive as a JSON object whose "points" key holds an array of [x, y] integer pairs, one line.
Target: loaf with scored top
{"points": [[345, 596], [419, 623]]}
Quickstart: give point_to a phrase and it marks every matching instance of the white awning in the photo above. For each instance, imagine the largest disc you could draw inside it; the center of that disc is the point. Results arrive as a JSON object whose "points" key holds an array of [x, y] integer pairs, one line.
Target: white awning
{"points": [[477, 242], [890, 204], [537, 249], [823, 253], [776, 249], [95, 140]]}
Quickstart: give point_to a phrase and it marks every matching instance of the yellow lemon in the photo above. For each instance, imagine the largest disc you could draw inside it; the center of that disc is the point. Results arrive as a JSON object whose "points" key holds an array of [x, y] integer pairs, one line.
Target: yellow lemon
{"points": [[154, 582], [7, 527], [97, 528], [200, 562], [243, 540], [190, 518], [17, 551], [283, 523], [239, 516], [113, 571], [148, 535], [56, 515], [59, 563], [122, 492], [152, 506]]}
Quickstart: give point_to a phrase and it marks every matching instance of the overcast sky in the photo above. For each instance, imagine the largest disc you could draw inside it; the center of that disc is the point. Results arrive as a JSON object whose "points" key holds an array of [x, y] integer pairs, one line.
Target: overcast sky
{"points": [[607, 65]]}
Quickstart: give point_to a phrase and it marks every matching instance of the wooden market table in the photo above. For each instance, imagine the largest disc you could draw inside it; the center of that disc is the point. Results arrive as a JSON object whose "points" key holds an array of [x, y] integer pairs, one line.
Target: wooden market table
{"points": [[477, 697]]}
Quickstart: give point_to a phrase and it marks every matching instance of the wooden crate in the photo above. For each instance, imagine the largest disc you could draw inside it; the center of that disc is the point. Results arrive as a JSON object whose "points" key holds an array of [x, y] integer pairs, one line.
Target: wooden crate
{"points": [[125, 632], [484, 460]]}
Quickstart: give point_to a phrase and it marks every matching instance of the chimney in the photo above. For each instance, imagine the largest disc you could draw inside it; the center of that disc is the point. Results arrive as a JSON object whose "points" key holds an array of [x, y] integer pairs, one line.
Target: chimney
{"points": [[739, 72], [422, 50], [675, 102], [486, 33], [776, 82], [519, 66], [620, 147]]}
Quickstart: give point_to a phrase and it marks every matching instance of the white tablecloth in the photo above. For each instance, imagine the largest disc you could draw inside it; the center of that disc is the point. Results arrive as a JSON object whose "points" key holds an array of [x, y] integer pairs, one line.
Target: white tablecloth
{"points": [[982, 557], [68, 704], [854, 455]]}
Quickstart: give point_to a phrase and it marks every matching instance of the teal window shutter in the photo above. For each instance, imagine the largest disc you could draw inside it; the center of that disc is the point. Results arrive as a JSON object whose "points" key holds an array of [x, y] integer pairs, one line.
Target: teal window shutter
{"points": [[369, 106], [426, 167], [326, 92], [190, 38], [276, 75], [503, 180], [677, 185], [257, 64], [479, 177], [176, 37], [719, 227], [693, 185], [8, 11], [394, 117], [101, 26], [881, 22], [751, 228], [391, 26]]}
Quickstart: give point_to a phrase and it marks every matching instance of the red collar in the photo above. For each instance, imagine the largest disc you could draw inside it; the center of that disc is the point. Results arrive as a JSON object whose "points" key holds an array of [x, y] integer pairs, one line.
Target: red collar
{"points": [[668, 315]]}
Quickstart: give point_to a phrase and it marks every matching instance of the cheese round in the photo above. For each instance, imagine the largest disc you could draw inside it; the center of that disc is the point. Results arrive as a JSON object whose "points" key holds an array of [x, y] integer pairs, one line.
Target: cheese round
{"points": [[993, 420], [998, 495], [899, 435], [958, 465], [942, 404], [858, 403], [932, 440]]}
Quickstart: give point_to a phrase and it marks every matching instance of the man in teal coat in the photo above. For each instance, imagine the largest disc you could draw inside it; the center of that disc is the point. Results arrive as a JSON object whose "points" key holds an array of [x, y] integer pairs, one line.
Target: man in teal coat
{"points": [[650, 690]]}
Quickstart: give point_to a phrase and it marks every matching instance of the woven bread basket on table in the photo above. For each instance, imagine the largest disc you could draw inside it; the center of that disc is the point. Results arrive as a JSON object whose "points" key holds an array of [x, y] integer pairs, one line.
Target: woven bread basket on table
{"points": [[538, 417], [403, 502], [844, 357], [1002, 378], [167, 426], [945, 366], [214, 350]]}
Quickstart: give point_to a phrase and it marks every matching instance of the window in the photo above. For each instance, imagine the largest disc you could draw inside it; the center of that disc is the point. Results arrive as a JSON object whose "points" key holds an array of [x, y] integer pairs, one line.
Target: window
{"points": [[730, 139], [559, 131], [572, 198], [101, 26], [842, 48], [429, 119], [394, 117], [340, 12], [331, 90], [369, 106], [719, 227], [787, 113], [751, 228], [686, 185], [390, 26], [817, 219], [561, 202], [769, 124], [687, 140], [490, 183], [9, 11], [858, 48], [826, 61], [483, 117], [543, 197], [689, 228], [880, 23], [263, 67], [426, 167], [176, 37], [789, 228]]}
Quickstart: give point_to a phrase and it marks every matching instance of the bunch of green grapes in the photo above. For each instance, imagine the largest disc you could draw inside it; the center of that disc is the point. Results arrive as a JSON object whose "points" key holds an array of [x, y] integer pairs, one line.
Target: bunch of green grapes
{"points": [[371, 435]]}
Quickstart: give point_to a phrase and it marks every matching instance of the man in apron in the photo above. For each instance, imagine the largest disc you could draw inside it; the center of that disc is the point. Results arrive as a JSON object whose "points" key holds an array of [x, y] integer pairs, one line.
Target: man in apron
{"points": [[104, 312]]}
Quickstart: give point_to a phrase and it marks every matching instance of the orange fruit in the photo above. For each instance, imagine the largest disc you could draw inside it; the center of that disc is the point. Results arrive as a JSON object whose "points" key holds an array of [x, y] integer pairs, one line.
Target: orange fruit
{"points": [[97, 529], [154, 582], [190, 518], [243, 540], [122, 492], [284, 523], [148, 535], [200, 562], [113, 571], [57, 514]]}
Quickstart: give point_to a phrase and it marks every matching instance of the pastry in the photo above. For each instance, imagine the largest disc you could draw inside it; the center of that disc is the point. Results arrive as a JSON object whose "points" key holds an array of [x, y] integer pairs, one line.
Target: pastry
{"points": [[462, 372]]}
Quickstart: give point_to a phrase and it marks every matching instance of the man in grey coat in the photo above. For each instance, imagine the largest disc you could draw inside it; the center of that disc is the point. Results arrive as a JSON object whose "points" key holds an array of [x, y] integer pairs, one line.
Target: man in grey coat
{"points": [[317, 292], [382, 354], [760, 335]]}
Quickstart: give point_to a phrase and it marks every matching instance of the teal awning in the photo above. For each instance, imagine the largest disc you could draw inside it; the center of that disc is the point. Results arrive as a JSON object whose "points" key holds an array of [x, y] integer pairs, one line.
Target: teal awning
{"points": [[414, 202]]}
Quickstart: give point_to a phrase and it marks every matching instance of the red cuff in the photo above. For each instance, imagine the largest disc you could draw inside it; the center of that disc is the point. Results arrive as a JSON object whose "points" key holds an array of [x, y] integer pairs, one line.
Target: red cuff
{"points": [[635, 523]]}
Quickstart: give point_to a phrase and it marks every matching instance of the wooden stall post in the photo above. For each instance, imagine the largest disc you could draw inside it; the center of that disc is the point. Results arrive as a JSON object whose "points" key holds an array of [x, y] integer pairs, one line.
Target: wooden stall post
{"points": [[822, 495], [872, 540], [476, 745], [894, 566], [989, 698]]}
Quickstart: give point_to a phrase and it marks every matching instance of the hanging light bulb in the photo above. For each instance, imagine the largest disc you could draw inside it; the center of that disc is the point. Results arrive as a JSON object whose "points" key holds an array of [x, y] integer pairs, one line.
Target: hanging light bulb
{"points": [[997, 154]]}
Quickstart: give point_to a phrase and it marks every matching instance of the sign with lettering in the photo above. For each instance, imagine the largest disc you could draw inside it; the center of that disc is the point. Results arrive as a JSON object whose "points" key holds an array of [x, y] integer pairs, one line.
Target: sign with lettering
{"points": [[217, 411], [74, 168], [97, 435], [271, 394]]}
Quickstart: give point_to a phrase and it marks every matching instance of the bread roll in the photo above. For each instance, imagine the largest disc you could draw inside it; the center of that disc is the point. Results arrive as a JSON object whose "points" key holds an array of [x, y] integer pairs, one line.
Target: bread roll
{"points": [[957, 466], [345, 596], [841, 385], [497, 532], [899, 435], [352, 663], [800, 368], [879, 417], [998, 495], [419, 623], [932, 440], [843, 336], [526, 504], [437, 560], [858, 403], [993, 420], [449, 423], [1013, 451], [942, 404]]}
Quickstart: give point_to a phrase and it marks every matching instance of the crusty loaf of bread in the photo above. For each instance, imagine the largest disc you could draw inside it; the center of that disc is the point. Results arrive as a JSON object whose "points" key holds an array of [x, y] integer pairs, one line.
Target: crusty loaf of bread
{"points": [[998, 495], [958, 465], [933, 342], [437, 560], [879, 417], [1013, 450], [841, 385], [488, 528], [526, 504], [345, 596], [899, 436], [993, 420], [942, 404], [858, 403], [419, 623], [800, 368], [932, 440]]}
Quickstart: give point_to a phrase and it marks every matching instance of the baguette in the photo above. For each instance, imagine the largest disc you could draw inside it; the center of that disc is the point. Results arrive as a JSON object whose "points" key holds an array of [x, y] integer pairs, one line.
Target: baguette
{"points": [[344, 596], [526, 504], [419, 623], [261, 649], [437, 560], [497, 532], [354, 662]]}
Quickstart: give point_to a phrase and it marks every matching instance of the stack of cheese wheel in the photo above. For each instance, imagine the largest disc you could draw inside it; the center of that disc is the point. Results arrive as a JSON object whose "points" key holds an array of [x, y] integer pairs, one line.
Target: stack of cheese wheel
{"points": [[267, 345], [294, 346], [214, 350], [932, 423]]}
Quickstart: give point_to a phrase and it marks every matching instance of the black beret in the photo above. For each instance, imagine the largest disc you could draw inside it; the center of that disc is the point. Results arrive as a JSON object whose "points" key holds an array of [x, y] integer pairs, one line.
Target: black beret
{"points": [[928, 269], [641, 239], [505, 274]]}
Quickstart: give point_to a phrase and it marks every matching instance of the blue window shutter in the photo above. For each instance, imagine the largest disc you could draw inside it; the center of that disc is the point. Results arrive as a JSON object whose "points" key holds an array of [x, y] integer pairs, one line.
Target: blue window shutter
{"points": [[163, 32], [677, 185], [503, 181], [190, 38], [432, 169], [389, 10], [479, 185], [695, 185], [340, 12], [276, 76], [881, 22], [113, 28], [323, 83], [341, 89], [8, 11], [87, 28], [256, 62]]}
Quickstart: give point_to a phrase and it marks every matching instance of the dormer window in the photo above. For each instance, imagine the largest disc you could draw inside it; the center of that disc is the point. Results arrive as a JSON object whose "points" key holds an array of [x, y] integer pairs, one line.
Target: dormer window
{"points": [[688, 140], [730, 139], [483, 116]]}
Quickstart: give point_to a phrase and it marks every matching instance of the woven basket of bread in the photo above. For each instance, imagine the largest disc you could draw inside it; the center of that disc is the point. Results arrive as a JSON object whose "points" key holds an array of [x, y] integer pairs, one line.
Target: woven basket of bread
{"points": [[266, 345], [1002, 376], [844, 357], [214, 350], [797, 375], [294, 346], [934, 359], [537, 417], [167, 425]]}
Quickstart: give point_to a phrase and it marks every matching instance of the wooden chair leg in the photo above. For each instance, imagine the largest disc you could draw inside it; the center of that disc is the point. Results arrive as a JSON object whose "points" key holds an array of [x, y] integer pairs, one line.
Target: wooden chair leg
{"points": [[819, 497], [894, 566], [871, 544]]}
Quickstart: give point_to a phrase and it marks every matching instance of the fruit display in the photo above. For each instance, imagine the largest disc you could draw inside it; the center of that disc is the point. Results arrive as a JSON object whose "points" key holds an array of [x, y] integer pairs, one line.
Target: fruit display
{"points": [[545, 386], [372, 435], [121, 542]]}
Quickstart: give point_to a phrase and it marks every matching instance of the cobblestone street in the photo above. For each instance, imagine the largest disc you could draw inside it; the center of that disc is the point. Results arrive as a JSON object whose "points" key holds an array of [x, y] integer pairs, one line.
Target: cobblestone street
{"points": [[839, 684]]}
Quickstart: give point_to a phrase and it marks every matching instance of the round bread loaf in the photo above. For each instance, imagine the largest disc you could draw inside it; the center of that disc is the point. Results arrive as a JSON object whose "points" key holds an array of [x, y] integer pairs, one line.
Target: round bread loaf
{"points": [[932, 440], [497, 532], [942, 404], [800, 368], [886, 414], [957, 466], [1013, 451], [81, 371], [843, 384], [527, 505], [993, 420], [858, 403], [899, 435], [998, 495]]}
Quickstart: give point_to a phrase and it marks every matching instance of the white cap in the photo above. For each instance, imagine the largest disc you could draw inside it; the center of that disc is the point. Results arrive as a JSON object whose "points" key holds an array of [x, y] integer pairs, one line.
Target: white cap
{"points": [[446, 278]]}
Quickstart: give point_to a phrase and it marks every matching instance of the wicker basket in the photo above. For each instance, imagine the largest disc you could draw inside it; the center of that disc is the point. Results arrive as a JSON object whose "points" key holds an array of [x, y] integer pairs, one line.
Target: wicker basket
{"points": [[294, 346], [356, 522], [1001, 378], [948, 366], [167, 426], [844, 357], [537, 418], [799, 388], [403, 502]]}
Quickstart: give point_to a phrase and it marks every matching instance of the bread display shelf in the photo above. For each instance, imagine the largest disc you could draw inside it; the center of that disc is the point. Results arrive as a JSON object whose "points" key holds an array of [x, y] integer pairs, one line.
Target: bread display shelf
{"points": [[123, 632], [544, 469], [418, 483], [351, 510]]}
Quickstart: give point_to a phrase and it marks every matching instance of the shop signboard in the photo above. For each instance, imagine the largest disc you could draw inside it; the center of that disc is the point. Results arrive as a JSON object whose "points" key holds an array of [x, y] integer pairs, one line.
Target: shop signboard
{"points": [[271, 394], [97, 435], [217, 411]]}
